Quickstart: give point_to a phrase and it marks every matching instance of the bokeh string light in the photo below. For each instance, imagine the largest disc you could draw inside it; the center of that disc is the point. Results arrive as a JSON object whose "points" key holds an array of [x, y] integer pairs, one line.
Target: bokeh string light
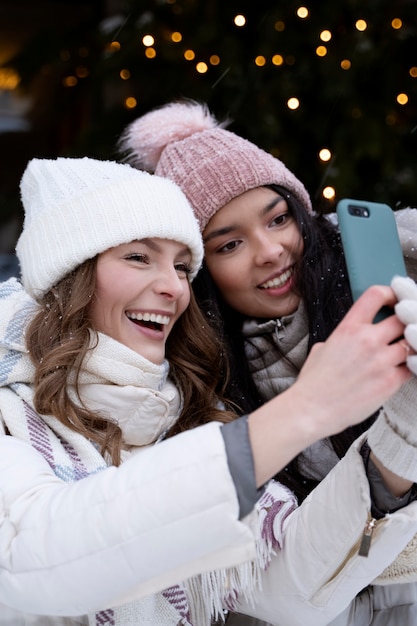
{"points": [[208, 60]]}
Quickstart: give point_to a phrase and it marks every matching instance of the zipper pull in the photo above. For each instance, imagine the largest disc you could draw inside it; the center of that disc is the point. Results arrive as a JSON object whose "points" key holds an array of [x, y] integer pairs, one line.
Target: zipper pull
{"points": [[365, 544], [278, 327]]}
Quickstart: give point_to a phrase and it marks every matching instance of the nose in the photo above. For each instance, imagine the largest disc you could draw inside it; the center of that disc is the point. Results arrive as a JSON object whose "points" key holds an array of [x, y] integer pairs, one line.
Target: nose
{"points": [[265, 248], [170, 284]]}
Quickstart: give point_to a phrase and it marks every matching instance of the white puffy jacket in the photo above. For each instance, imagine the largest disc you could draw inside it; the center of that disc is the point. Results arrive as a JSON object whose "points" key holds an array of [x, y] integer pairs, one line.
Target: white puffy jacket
{"points": [[68, 549]]}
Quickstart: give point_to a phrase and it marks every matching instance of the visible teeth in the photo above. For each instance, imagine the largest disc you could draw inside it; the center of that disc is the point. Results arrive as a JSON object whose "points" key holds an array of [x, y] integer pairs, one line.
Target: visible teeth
{"points": [[278, 281], [149, 317]]}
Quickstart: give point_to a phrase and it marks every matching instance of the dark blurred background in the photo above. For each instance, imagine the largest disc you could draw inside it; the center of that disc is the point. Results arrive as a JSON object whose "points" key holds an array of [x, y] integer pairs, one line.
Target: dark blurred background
{"points": [[329, 87]]}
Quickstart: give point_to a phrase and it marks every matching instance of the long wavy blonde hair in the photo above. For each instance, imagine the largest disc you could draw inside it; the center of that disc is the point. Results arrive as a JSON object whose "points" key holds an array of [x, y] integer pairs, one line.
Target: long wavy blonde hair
{"points": [[59, 336]]}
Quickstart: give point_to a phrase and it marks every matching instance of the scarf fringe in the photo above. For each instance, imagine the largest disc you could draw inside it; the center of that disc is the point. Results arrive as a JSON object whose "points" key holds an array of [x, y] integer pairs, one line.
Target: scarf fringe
{"points": [[213, 592]]}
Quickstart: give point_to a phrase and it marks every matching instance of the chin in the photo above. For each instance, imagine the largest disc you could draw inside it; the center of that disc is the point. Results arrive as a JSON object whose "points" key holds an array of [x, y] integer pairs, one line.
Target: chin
{"points": [[153, 358], [150, 355]]}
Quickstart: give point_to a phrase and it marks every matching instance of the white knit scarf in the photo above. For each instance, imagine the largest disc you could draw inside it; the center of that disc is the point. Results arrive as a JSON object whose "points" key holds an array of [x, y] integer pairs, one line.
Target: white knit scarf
{"points": [[73, 457]]}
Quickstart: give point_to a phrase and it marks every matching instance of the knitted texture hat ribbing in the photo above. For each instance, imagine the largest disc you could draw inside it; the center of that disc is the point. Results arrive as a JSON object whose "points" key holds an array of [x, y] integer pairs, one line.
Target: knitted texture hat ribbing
{"points": [[77, 208], [184, 142]]}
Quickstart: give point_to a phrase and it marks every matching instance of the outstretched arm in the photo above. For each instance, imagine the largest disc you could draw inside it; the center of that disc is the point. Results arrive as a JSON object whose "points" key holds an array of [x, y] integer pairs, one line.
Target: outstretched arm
{"points": [[344, 380]]}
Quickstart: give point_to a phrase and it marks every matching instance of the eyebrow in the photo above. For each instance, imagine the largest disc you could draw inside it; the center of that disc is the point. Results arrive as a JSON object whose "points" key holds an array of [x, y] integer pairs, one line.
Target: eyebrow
{"points": [[150, 244], [157, 247], [228, 229]]}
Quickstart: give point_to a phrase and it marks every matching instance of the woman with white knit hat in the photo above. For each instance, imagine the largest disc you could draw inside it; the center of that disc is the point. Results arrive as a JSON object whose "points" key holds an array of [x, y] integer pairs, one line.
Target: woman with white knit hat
{"points": [[274, 284]]}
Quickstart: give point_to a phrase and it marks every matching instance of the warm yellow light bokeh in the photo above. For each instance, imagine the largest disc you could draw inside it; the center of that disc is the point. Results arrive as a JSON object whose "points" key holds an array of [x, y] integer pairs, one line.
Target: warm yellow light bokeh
{"points": [[325, 154], [148, 40], [240, 20], [9, 79], [293, 103], [277, 59], [81, 71], [69, 81], [260, 61], [329, 193], [131, 102], [361, 25], [302, 12]]}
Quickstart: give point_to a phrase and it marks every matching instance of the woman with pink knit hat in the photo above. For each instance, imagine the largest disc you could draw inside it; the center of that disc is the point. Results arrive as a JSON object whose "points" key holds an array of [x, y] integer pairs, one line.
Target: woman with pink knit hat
{"points": [[273, 284]]}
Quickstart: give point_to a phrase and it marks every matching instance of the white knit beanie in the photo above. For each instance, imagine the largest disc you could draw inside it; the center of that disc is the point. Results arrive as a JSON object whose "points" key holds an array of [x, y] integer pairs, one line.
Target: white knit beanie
{"points": [[77, 208]]}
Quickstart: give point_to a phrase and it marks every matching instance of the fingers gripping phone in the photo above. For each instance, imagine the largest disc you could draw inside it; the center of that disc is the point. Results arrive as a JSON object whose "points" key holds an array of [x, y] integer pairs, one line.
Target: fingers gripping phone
{"points": [[371, 245]]}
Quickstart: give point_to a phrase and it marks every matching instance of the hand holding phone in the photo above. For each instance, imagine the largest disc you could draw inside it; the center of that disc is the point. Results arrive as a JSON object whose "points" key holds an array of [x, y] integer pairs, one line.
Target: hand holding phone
{"points": [[371, 245]]}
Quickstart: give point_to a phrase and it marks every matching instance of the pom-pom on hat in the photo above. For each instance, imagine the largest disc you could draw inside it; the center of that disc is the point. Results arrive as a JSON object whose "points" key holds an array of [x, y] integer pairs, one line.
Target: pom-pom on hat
{"points": [[184, 142], [77, 208]]}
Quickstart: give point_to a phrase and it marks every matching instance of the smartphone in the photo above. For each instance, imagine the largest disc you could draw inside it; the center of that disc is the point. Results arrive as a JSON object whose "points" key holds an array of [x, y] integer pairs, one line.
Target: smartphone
{"points": [[371, 245]]}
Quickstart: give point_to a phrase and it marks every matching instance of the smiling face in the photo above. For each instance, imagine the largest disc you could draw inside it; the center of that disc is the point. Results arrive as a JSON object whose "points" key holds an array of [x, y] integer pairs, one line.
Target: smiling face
{"points": [[141, 290], [251, 247]]}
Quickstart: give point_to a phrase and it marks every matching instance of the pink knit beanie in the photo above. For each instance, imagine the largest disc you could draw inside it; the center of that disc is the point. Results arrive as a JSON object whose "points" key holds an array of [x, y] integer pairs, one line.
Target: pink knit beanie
{"points": [[184, 142]]}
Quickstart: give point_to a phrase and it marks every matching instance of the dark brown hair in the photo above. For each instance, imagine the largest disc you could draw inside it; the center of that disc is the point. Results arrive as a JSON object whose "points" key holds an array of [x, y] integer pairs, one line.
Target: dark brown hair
{"points": [[322, 283]]}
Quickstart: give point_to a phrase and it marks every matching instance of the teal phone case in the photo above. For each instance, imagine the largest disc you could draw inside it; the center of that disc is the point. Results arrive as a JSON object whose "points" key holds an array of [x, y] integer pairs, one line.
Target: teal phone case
{"points": [[371, 245]]}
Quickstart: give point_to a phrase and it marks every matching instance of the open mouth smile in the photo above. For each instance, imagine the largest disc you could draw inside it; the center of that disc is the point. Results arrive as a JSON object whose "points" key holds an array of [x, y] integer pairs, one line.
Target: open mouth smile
{"points": [[278, 281], [150, 320]]}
